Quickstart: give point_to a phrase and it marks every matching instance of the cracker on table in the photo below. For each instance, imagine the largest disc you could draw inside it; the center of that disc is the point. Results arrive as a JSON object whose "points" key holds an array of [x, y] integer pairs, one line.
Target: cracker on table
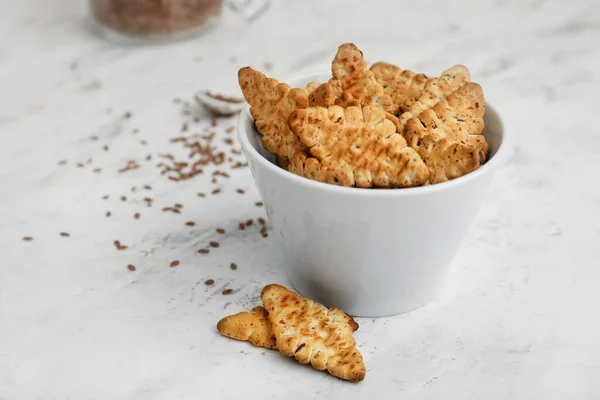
{"points": [[252, 326], [271, 104], [448, 136], [312, 333], [354, 146]]}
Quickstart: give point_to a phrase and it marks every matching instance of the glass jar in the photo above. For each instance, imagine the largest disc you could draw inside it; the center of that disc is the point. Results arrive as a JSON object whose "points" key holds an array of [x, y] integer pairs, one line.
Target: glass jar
{"points": [[155, 19]]}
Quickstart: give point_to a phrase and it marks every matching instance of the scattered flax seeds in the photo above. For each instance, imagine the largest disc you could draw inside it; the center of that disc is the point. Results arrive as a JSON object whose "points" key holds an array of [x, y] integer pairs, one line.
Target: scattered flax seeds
{"points": [[259, 204], [265, 235], [131, 267], [228, 141], [119, 246], [214, 244], [108, 214], [209, 282], [263, 230], [131, 165], [216, 191], [240, 191], [214, 180], [190, 223], [65, 234], [148, 200], [80, 165], [201, 194], [241, 226], [261, 221], [184, 127], [220, 231], [106, 148], [127, 115], [177, 205], [172, 209], [203, 251], [97, 170], [136, 215], [143, 142], [27, 238], [239, 164], [105, 197], [227, 291], [93, 138], [89, 161], [123, 198], [62, 162], [174, 263], [148, 157], [147, 187], [233, 266], [249, 222]]}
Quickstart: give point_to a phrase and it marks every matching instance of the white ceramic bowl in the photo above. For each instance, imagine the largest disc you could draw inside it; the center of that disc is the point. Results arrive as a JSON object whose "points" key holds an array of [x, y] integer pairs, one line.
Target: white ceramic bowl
{"points": [[370, 252]]}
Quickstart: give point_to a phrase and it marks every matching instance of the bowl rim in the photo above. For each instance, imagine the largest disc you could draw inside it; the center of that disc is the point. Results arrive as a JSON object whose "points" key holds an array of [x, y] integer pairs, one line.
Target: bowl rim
{"points": [[496, 160]]}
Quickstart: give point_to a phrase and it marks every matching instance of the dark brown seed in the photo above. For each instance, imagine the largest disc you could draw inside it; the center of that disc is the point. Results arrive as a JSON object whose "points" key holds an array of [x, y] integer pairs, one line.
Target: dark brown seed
{"points": [[203, 251], [227, 291], [174, 263], [261, 221], [233, 266], [93, 138], [190, 223], [220, 231], [265, 235], [80, 165], [105, 147], [177, 205], [97, 170], [242, 226], [143, 142], [127, 115], [27, 238], [147, 187], [148, 199], [249, 222], [201, 194], [258, 204], [209, 282], [105, 197], [136, 215], [62, 162], [148, 157], [108, 214], [214, 244], [216, 191], [131, 267], [263, 229], [240, 191], [64, 234], [228, 140], [123, 198]]}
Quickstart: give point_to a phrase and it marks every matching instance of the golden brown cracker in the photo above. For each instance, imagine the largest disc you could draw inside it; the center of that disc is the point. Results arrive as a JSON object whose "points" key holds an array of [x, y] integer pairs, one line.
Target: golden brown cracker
{"points": [[310, 332], [271, 104], [354, 147], [252, 326], [401, 85], [448, 136]]}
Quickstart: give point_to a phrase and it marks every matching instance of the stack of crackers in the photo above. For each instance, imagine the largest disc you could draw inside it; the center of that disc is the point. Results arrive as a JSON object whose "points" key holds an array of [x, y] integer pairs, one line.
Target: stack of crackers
{"points": [[301, 328], [382, 127]]}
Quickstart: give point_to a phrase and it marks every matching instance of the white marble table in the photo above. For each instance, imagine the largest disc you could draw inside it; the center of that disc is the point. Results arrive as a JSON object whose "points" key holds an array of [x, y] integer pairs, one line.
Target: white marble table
{"points": [[518, 318]]}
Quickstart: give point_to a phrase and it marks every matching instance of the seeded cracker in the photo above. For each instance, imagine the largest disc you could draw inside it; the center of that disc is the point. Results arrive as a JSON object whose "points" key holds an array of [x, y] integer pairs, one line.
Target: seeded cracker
{"points": [[355, 147], [436, 90], [352, 84], [310, 332], [251, 326], [271, 104], [448, 136], [400, 85]]}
